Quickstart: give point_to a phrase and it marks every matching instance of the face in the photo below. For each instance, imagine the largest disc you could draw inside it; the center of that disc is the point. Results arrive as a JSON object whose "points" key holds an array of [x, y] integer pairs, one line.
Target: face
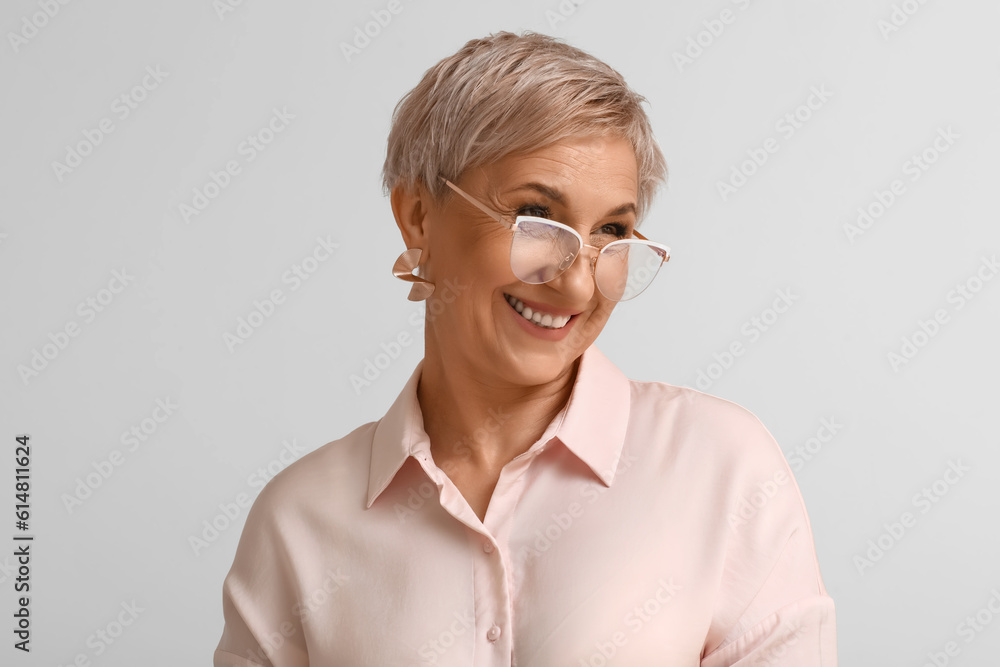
{"points": [[587, 183]]}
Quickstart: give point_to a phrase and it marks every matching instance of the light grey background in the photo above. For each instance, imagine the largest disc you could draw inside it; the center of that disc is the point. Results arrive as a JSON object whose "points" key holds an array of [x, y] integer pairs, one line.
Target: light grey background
{"points": [[888, 93]]}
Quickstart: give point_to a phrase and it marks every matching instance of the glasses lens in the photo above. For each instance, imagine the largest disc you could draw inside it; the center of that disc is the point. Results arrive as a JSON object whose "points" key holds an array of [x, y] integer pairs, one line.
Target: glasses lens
{"points": [[626, 268], [541, 251]]}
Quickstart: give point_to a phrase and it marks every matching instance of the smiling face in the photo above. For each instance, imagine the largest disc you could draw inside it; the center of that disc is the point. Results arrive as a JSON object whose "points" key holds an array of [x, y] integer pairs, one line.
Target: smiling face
{"points": [[587, 183]]}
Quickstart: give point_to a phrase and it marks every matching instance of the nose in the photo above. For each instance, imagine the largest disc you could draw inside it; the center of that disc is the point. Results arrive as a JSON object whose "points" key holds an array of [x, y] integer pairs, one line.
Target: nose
{"points": [[577, 281]]}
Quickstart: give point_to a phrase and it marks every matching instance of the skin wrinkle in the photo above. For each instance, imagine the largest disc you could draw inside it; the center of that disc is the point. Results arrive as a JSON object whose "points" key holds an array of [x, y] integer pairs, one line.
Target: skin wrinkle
{"points": [[477, 358]]}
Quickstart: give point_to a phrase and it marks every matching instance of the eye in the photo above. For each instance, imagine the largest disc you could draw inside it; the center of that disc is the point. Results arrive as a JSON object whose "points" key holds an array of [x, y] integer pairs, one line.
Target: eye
{"points": [[612, 231], [534, 210]]}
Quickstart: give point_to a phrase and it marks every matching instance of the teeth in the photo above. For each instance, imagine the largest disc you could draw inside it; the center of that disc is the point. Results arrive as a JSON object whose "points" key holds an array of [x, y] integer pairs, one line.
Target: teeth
{"points": [[543, 320]]}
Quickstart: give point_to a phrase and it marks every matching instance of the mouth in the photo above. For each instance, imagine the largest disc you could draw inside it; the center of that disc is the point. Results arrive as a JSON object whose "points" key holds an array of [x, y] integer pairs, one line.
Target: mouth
{"points": [[538, 316]]}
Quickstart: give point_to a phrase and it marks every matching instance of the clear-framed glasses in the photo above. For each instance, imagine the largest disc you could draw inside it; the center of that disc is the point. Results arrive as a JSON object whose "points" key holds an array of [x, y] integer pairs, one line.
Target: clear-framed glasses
{"points": [[542, 249]]}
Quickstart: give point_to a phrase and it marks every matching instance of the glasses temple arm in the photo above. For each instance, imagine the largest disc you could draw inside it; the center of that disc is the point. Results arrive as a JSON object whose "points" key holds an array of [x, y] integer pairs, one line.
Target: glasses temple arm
{"points": [[482, 207], [635, 232]]}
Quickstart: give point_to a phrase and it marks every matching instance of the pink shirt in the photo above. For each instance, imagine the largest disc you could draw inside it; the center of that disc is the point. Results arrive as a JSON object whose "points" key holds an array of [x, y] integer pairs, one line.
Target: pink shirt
{"points": [[649, 525]]}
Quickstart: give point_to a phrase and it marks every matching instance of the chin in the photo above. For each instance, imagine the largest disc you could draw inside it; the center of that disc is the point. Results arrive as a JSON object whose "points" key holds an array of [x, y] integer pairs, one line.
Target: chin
{"points": [[541, 365]]}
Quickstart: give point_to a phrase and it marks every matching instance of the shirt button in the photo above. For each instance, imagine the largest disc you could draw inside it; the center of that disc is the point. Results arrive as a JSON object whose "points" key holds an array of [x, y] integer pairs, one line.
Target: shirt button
{"points": [[488, 547], [493, 633]]}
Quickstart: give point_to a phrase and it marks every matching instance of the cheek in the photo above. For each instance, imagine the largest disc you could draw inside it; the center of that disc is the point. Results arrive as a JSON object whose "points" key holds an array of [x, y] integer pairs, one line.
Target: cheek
{"points": [[483, 268], [603, 309], [469, 285], [486, 255], [595, 323]]}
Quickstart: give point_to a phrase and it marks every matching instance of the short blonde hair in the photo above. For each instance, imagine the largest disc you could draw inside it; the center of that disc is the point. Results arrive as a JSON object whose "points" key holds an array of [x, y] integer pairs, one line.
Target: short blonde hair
{"points": [[507, 94]]}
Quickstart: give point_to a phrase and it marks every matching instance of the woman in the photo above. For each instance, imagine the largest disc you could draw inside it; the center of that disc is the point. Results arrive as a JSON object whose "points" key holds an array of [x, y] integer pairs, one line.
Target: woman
{"points": [[522, 501]]}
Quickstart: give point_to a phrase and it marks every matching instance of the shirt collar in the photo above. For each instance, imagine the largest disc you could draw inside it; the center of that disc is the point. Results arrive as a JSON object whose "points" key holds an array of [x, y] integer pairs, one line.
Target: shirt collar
{"points": [[592, 424]]}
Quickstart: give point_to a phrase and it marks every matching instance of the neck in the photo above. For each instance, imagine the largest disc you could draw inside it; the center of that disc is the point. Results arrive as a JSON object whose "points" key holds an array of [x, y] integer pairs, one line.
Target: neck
{"points": [[484, 422]]}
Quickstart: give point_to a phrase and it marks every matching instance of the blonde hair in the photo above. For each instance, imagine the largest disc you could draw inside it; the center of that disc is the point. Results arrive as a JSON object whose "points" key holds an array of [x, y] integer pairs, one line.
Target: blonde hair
{"points": [[507, 94]]}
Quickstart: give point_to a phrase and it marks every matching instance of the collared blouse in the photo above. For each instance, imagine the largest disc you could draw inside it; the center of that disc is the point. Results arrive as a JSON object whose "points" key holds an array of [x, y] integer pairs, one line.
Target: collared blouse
{"points": [[651, 524]]}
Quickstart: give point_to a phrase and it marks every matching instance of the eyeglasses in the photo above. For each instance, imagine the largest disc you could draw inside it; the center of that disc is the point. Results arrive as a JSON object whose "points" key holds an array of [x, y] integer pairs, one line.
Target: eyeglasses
{"points": [[542, 249]]}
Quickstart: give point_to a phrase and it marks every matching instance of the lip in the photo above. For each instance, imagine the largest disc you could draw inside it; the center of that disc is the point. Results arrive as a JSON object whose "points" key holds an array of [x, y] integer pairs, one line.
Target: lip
{"points": [[545, 308], [537, 331]]}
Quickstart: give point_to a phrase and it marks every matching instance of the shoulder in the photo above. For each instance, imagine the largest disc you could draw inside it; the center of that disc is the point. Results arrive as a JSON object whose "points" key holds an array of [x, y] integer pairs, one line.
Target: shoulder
{"points": [[327, 477], [692, 411], [721, 437]]}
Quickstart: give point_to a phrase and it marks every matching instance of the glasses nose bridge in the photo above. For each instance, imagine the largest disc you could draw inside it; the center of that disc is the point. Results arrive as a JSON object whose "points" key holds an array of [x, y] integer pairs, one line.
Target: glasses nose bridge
{"points": [[593, 259], [570, 260]]}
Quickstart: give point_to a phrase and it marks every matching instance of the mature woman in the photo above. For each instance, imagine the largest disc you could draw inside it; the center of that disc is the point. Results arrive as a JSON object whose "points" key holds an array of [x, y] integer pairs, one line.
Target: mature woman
{"points": [[523, 502]]}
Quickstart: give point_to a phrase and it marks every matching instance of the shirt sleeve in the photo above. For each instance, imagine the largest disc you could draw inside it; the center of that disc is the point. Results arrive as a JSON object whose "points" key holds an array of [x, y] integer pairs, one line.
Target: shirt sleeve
{"points": [[259, 595], [773, 609]]}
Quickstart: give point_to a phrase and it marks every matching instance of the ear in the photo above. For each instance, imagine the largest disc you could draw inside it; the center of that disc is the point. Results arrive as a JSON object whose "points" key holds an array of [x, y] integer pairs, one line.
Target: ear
{"points": [[410, 206]]}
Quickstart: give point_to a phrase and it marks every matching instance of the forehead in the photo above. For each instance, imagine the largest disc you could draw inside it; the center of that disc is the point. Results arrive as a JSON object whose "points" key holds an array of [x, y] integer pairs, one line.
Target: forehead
{"points": [[579, 168]]}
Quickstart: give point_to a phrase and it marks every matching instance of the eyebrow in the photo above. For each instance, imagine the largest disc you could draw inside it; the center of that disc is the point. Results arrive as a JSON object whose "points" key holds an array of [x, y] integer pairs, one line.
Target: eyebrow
{"points": [[556, 196]]}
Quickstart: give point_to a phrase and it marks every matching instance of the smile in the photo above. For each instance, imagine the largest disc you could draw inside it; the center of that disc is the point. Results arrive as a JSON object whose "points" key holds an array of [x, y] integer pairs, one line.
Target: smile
{"points": [[544, 320]]}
